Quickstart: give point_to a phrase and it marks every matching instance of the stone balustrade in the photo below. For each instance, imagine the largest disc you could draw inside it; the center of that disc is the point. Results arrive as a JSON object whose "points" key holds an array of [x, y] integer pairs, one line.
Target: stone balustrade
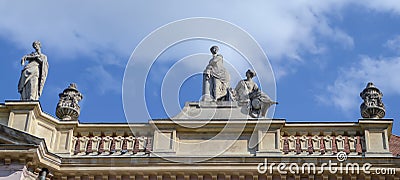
{"points": [[322, 144], [111, 144]]}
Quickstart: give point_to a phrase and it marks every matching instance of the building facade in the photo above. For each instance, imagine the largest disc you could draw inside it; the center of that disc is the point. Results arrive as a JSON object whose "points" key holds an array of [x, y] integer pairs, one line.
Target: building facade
{"points": [[33, 144]]}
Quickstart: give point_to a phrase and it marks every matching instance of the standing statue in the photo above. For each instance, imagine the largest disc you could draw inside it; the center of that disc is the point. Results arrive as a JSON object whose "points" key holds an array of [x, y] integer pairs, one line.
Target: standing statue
{"points": [[34, 74], [216, 78], [247, 91]]}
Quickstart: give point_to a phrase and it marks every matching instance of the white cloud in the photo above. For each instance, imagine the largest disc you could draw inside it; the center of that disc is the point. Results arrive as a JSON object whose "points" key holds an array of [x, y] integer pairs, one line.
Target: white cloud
{"points": [[73, 28], [344, 93], [104, 81], [394, 44], [287, 29], [392, 6]]}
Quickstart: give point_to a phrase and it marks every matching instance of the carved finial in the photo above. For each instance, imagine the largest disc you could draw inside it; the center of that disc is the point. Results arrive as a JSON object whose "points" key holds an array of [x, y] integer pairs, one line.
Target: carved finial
{"points": [[372, 107], [68, 107]]}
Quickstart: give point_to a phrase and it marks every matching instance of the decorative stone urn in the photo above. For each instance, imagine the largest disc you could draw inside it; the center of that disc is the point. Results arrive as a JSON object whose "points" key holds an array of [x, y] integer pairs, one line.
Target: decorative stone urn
{"points": [[372, 107], [68, 107]]}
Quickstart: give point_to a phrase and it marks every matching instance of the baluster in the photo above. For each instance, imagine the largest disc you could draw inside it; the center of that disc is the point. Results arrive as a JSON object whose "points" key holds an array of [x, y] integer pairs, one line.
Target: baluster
{"points": [[149, 146], [352, 144], [95, 145], [340, 143], [286, 145], [282, 141], [107, 145], [118, 145], [82, 145], [142, 144], [328, 144], [130, 142], [75, 147], [136, 146]]}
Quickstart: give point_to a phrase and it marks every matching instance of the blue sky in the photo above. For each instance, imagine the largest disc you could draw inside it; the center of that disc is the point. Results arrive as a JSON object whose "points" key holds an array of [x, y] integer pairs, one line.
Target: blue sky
{"points": [[322, 53]]}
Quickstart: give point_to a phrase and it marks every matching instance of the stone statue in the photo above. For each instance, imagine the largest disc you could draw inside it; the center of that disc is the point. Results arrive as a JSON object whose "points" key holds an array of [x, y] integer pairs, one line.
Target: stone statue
{"points": [[216, 78], [34, 74], [43, 174], [68, 107], [372, 107], [245, 87], [247, 91]]}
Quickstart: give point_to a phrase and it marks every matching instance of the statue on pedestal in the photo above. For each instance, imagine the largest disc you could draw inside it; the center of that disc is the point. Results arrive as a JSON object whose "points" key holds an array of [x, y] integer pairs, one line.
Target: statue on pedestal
{"points": [[216, 78], [34, 74], [247, 91], [246, 99]]}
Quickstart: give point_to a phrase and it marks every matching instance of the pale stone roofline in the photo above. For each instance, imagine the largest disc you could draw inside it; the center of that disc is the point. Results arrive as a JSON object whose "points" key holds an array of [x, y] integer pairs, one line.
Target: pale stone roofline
{"points": [[68, 147], [32, 152], [28, 117], [67, 138]]}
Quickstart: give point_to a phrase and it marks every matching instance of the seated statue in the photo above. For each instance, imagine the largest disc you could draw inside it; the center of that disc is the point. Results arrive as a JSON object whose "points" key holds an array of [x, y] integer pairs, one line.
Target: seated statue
{"points": [[247, 91]]}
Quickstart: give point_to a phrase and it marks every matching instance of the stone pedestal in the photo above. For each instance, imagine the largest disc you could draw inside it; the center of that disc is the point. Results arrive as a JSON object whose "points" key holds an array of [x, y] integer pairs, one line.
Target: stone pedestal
{"points": [[211, 129], [204, 110], [376, 136]]}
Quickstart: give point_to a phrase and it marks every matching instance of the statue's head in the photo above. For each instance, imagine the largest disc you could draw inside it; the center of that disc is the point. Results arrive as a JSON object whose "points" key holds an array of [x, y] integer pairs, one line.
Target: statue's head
{"points": [[250, 73], [36, 44], [214, 49]]}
